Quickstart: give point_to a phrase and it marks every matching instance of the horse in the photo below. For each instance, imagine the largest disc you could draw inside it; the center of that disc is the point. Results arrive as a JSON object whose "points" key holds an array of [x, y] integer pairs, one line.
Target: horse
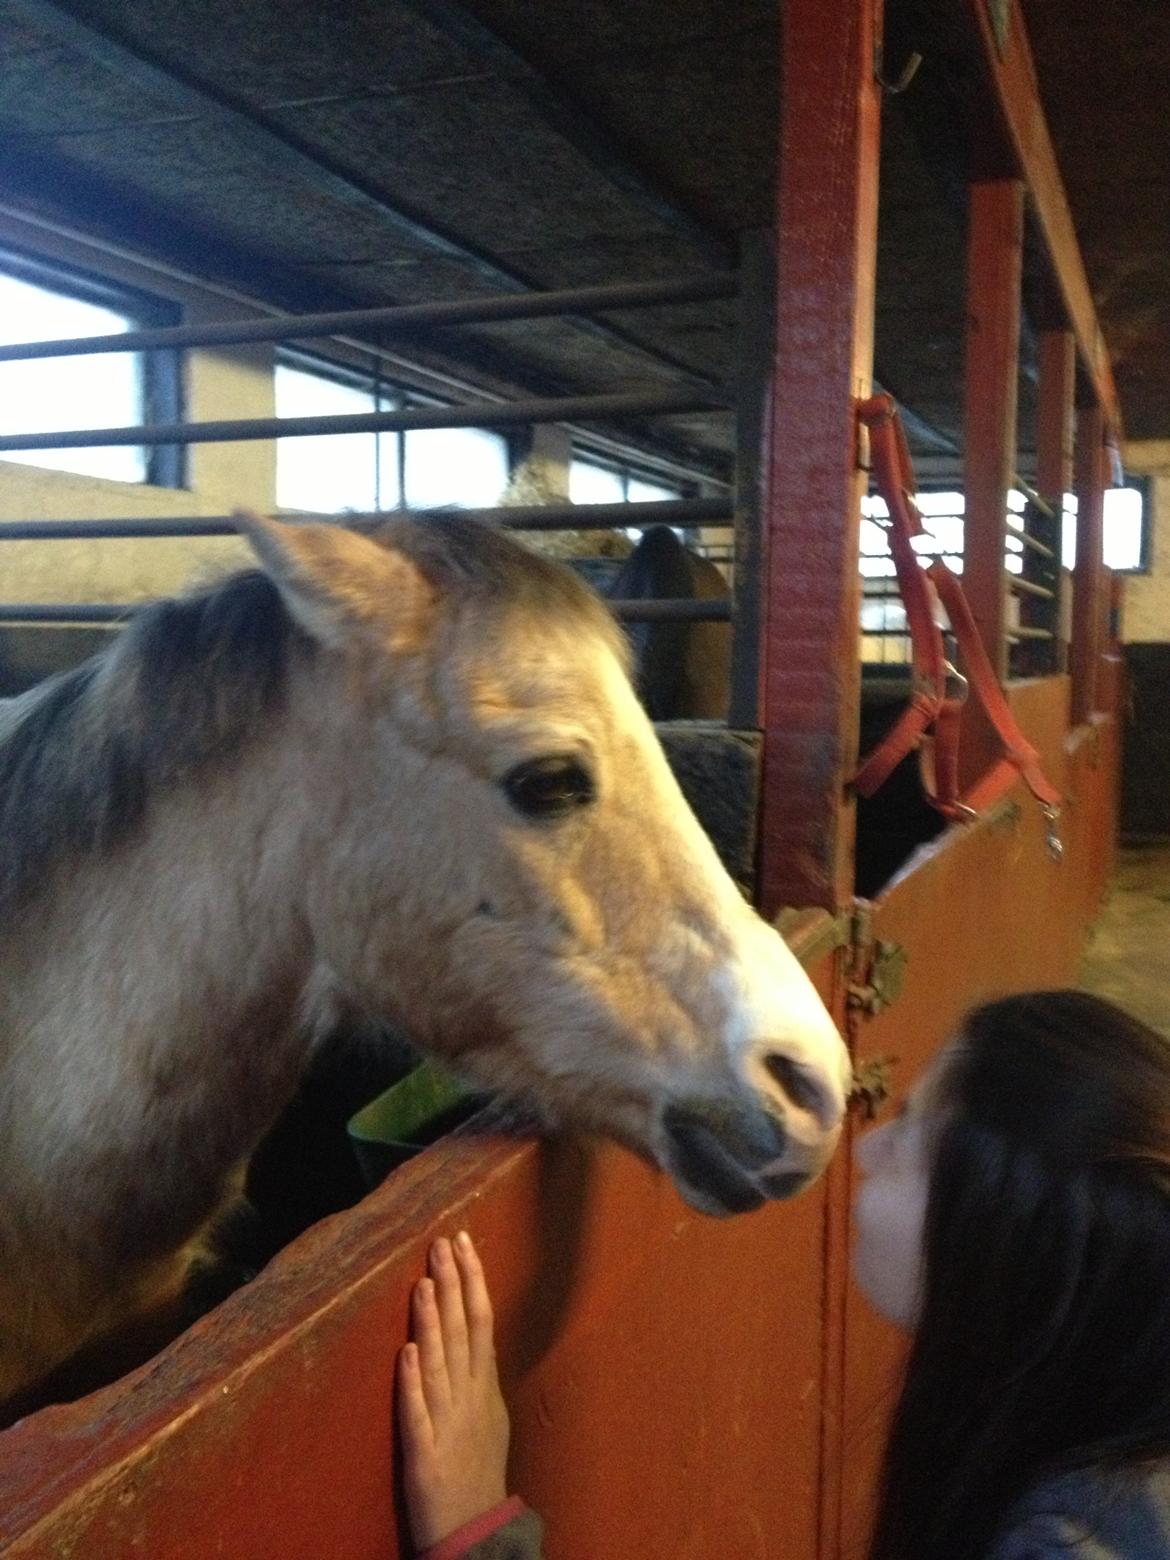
{"points": [[682, 668], [398, 771]]}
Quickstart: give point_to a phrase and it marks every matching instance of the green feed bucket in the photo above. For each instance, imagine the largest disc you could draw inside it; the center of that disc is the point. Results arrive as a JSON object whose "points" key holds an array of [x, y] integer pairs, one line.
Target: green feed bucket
{"points": [[407, 1117]]}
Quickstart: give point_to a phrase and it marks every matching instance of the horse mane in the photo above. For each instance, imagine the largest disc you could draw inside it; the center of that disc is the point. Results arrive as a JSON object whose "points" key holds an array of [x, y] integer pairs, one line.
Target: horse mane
{"points": [[190, 681], [186, 682]]}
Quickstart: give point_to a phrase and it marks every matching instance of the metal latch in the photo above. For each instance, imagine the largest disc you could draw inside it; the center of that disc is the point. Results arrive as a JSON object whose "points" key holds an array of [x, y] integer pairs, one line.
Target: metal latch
{"points": [[872, 1085], [879, 982]]}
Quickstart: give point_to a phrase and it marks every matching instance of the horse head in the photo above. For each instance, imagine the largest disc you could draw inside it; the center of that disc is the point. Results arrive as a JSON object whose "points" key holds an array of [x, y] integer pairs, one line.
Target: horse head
{"points": [[496, 855]]}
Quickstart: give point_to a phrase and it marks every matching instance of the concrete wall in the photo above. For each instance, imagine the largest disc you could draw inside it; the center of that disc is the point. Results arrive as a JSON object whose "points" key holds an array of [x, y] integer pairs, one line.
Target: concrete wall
{"points": [[1146, 607]]}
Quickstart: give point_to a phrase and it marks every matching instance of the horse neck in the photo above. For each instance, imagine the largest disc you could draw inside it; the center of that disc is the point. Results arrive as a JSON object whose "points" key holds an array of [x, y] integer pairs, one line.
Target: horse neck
{"points": [[183, 948]]}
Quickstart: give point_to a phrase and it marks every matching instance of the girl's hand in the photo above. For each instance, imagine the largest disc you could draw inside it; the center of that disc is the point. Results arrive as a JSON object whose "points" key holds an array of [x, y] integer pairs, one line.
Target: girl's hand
{"points": [[453, 1422]]}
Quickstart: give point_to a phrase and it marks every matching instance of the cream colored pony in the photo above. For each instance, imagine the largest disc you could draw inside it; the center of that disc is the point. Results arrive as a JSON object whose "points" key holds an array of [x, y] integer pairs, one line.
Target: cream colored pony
{"points": [[402, 771]]}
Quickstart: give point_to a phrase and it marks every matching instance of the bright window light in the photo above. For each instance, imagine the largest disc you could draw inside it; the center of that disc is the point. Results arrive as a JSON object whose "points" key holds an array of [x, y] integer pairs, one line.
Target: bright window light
{"points": [[1122, 524], [325, 473], [639, 492], [593, 484], [1123, 528], [57, 394], [463, 467], [942, 519]]}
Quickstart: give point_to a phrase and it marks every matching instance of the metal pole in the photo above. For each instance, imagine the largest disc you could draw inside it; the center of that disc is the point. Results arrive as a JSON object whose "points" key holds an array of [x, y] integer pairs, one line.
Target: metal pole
{"points": [[666, 611], [757, 334], [494, 414], [396, 319], [537, 517]]}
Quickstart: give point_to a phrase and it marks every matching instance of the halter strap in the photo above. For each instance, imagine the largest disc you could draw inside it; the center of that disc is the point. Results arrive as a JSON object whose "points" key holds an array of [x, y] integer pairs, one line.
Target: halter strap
{"points": [[932, 720]]}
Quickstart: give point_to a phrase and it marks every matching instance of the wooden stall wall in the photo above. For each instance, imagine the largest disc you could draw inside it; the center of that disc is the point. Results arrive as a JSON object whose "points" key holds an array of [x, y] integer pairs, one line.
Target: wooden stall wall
{"points": [[665, 1373], [982, 912]]}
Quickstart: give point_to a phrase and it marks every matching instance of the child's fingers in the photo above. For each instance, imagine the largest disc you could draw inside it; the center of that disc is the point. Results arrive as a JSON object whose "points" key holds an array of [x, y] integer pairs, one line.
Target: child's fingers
{"points": [[476, 1304], [428, 1333], [449, 1299], [417, 1431]]}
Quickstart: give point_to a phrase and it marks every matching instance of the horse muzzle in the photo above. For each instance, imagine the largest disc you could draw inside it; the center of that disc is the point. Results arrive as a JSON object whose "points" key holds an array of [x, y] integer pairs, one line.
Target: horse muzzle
{"points": [[731, 1159]]}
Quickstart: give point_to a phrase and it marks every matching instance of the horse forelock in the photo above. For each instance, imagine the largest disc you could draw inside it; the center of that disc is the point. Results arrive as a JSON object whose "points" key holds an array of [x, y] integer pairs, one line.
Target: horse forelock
{"points": [[478, 562], [189, 681]]}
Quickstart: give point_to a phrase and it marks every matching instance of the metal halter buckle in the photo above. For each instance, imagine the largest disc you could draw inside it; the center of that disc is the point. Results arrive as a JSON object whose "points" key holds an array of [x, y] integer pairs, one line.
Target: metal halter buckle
{"points": [[1052, 832], [957, 686]]}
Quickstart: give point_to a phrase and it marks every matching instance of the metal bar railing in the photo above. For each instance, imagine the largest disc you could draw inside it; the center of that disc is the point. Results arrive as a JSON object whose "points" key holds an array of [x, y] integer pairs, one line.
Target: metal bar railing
{"points": [[1029, 588], [666, 610], [1033, 543], [468, 415], [1034, 498], [536, 517], [396, 319]]}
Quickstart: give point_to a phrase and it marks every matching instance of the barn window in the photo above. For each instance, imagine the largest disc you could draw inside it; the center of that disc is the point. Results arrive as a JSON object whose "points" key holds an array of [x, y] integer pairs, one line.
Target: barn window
{"points": [[43, 302], [883, 617], [329, 473], [467, 467], [593, 481], [1125, 526], [332, 473]]}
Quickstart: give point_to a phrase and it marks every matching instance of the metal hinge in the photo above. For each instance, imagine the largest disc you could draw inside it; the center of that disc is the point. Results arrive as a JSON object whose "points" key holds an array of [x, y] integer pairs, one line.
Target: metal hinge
{"points": [[877, 966], [875, 973]]}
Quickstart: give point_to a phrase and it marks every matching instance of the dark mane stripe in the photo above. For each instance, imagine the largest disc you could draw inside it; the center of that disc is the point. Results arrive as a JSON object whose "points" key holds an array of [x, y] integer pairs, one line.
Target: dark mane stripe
{"points": [[188, 681]]}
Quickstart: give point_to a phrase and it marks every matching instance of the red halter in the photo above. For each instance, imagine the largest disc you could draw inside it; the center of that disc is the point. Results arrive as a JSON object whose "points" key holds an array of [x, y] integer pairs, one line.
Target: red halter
{"points": [[932, 720]]}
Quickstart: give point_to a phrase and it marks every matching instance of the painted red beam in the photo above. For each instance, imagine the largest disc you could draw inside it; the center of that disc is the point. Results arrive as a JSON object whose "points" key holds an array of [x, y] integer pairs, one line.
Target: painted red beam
{"points": [[823, 359], [1054, 415], [1056, 393], [995, 246], [1089, 571], [1011, 73]]}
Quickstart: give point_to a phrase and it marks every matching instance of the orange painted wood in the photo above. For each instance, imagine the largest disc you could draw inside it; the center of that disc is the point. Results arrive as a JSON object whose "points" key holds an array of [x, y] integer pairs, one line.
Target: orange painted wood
{"points": [[826, 259], [995, 246], [1088, 572], [681, 1387], [1015, 94], [984, 912], [664, 1373]]}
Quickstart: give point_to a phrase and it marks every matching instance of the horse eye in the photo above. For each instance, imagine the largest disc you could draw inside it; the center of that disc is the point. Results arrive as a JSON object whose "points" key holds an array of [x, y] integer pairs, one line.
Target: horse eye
{"points": [[549, 787]]}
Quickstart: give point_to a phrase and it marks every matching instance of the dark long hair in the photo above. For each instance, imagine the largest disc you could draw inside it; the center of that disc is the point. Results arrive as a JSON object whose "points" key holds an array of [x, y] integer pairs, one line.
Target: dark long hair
{"points": [[1043, 1339]]}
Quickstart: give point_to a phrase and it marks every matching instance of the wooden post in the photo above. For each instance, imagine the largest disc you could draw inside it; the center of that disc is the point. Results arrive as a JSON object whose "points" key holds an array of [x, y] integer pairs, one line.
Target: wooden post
{"points": [[994, 268], [1054, 454], [1088, 572], [823, 361], [1054, 440]]}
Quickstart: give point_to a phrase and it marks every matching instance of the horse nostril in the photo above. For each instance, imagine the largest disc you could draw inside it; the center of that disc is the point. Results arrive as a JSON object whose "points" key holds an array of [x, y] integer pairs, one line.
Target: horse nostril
{"points": [[802, 1088]]}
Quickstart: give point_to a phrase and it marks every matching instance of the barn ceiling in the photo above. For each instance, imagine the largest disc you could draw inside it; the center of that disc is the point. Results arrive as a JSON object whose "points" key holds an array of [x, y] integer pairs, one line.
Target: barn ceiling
{"points": [[395, 150]]}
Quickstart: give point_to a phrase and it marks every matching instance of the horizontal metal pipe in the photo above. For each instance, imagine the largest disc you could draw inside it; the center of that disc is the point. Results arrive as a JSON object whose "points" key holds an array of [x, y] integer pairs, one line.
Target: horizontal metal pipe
{"points": [[1033, 543], [395, 319], [671, 611], [666, 611], [1020, 632], [489, 414], [536, 517], [1029, 588], [1033, 497], [67, 612]]}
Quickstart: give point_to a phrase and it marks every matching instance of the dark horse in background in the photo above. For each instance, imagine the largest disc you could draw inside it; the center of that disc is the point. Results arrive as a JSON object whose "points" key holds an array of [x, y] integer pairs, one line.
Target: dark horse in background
{"points": [[682, 669]]}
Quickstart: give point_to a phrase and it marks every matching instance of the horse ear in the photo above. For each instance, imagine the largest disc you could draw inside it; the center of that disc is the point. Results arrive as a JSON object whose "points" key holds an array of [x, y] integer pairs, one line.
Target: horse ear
{"points": [[336, 582]]}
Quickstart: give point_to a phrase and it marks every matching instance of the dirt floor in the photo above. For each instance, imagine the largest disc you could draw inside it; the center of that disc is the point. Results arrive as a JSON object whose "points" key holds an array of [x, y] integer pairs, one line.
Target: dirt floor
{"points": [[1128, 956]]}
